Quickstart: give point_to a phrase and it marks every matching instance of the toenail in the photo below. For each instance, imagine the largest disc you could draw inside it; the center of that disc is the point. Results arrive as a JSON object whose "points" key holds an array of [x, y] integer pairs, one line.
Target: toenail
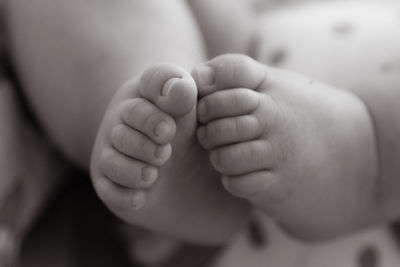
{"points": [[168, 86], [138, 200], [201, 132], [162, 129], [205, 75], [149, 174], [201, 109], [162, 152]]}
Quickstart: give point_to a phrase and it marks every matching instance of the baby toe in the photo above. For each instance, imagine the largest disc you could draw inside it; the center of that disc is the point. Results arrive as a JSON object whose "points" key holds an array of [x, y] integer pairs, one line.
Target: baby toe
{"points": [[254, 186], [229, 131], [118, 198], [127, 172], [169, 87], [136, 145], [140, 114], [227, 103], [228, 71], [243, 157], [264, 188]]}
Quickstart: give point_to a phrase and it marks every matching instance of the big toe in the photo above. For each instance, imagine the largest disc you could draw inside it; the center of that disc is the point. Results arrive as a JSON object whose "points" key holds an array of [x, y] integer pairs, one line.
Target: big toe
{"points": [[169, 87], [228, 71]]}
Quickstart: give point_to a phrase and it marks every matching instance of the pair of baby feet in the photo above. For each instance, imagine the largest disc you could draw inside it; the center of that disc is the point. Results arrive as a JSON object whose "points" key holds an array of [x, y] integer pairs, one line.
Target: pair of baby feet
{"points": [[271, 135]]}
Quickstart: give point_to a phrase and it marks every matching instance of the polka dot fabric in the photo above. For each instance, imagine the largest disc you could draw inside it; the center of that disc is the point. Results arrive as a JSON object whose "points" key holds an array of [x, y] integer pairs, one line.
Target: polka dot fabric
{"points": [[265, 245]]}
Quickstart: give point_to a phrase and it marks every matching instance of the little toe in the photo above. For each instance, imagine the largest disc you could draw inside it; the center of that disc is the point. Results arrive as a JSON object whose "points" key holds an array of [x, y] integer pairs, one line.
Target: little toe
{"points": [[227, 103], [229, 131], [136, 145], [140, 114], [169, 87], [228, 71], [119, 198], [262, 188], [127, 172], [243, 157]]}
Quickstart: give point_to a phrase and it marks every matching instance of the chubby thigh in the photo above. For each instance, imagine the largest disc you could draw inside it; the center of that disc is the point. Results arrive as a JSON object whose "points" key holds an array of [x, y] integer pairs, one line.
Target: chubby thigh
{"points": [[71, 57], [345, 43]]}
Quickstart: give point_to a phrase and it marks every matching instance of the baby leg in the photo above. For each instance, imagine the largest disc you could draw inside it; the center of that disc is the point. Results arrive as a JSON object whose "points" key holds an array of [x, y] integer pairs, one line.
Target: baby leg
{"points": [[226, 28]]}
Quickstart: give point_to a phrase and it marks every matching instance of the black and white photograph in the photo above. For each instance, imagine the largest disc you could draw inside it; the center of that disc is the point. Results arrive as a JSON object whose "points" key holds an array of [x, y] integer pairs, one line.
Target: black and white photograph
{"points": [[199, 133]]}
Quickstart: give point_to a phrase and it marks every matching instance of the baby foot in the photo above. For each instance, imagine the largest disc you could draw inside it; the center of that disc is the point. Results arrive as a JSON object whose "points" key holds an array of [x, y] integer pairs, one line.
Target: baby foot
{"points": [[148, 167], [301, 151]]}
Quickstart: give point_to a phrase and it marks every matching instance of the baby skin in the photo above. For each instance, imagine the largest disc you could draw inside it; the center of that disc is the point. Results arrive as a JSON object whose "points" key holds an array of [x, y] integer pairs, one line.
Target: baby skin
{"points": [[148, 167], [301, 151]]}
